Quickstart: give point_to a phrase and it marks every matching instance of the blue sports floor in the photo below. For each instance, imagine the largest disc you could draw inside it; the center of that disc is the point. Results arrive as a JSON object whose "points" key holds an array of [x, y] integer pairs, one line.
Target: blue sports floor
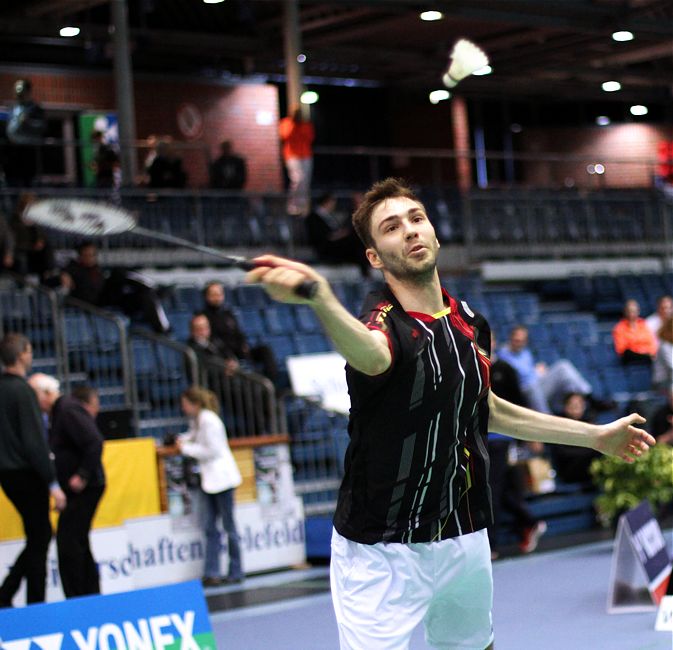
{"points": [[554, 600]]}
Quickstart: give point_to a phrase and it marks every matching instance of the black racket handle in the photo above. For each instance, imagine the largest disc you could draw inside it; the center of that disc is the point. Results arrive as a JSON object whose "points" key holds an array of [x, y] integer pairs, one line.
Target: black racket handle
{"points": [[306, 289]]}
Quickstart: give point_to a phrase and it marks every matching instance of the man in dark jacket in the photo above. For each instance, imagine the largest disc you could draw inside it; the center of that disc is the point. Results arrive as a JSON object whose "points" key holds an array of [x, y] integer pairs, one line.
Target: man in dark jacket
{"points": [[77, 445], [26, 472]]}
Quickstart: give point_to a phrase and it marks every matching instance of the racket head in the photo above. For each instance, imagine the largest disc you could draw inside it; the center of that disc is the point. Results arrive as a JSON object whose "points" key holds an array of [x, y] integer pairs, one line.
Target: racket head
{"points": [[80, 216]]}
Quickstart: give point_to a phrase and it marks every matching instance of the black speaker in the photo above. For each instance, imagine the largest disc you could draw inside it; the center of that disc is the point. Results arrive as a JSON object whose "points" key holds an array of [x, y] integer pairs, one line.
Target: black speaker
{"points": [[115, 424]]}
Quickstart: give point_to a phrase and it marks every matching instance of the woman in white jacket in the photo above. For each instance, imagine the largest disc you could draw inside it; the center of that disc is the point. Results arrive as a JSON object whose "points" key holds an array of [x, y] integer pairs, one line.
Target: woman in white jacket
{"points": [[206, 441]]}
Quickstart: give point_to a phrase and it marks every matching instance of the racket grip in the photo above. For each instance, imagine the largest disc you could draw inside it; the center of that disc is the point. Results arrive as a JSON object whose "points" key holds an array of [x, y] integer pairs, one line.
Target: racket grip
{"points": [[306, 289]]}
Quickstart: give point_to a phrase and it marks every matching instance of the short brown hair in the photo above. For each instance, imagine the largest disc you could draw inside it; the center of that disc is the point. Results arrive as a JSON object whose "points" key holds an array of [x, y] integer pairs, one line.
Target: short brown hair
{"points": [[390, 188], [12, 347]]}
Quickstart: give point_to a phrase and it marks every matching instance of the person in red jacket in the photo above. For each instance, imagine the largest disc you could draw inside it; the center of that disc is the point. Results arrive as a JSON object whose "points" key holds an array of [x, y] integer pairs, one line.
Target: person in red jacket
{"points": [[634, 342], [297, 135]]}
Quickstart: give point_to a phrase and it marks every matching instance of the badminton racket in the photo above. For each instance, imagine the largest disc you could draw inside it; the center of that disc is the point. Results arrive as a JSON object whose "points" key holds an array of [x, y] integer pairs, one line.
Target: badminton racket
{"points": [[95, 219]]}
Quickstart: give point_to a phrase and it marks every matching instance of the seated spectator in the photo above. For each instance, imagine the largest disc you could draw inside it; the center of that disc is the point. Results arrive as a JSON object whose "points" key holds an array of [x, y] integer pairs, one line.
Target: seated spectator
{"points": [[206, 346], [226, 329], [132, 292], [228, 171], [662, 368], [166, 168], [664, 310], [544, 387], [33, 253], [506, 481], [333, 238], [572, 463], [661, 423], [634, 342]]}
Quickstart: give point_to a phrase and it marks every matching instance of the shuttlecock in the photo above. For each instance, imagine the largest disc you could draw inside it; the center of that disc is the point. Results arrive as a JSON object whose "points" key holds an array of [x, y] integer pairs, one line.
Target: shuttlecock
{"points": [[465, 57]]}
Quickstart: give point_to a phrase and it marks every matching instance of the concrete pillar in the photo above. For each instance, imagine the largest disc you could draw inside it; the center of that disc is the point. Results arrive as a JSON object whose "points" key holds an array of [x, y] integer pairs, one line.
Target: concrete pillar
{"points": [[126, 113], [292, 44]]}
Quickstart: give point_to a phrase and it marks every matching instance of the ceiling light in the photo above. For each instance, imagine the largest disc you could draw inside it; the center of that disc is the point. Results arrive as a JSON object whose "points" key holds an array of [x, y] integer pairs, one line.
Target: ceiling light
{"points": [[69, 32], [622, 36], [213, 2], [431, 15], [602, 120], [599, 168], [437, 96], [301, 58], [487, 69], [638, 109], [309, 97], [611, 86]]}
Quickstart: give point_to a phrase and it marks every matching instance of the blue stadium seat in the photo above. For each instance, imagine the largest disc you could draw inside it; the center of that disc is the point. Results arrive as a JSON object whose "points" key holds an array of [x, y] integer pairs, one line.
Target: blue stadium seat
{"points": [[251, 321], [306, 319], [78, 331], [279, 319], [311, 343]]}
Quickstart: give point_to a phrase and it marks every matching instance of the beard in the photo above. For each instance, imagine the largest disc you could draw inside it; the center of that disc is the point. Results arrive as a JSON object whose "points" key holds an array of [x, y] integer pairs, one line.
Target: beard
{"points": [[413, 270]]}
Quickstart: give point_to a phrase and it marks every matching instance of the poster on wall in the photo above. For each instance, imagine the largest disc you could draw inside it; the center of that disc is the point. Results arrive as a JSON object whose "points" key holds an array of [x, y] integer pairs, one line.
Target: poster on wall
{"points": [[107, 124]]}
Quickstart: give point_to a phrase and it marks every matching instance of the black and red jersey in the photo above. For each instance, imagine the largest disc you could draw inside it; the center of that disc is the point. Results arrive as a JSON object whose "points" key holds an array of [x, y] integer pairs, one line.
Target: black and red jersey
{"points": [[416, 467]]}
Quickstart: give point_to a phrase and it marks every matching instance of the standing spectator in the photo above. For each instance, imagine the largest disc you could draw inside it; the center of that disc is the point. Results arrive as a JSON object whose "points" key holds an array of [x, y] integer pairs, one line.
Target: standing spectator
{"points": [[105, 162], [572, 463], [77, 445], [25, 131], [33, 254], [506, 481], [225, 327], [331, 239], [228, 171], [27, 474], [634, 342], [166, 171], [662, 368], [297, 135], [664, 311], [544, 386], [86, 281], [206, 441]]}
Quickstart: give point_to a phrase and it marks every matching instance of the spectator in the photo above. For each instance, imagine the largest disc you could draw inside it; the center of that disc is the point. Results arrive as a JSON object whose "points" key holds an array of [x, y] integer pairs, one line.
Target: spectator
{"points": [[661, 426], [27, 474], [33, 254], [77, 445], [151, 143], [6, 244], [331, 239], [662, 368], [664, 310], [572, 463], [105, 162], [506, 481], [206, 441], [228, 171], [543, 386], [132, 292], [25, 131], [297, 135], [226, 329], [202, 341], [634, 342], [166, 171]]}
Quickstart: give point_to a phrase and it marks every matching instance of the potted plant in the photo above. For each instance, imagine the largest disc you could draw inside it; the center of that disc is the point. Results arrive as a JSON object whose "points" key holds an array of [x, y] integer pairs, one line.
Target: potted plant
{"points": [[623, 485]]}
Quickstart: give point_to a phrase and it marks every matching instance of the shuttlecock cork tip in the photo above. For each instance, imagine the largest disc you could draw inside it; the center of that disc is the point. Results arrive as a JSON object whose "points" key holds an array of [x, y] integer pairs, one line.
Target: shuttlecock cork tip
{"points": [[466, 57]]}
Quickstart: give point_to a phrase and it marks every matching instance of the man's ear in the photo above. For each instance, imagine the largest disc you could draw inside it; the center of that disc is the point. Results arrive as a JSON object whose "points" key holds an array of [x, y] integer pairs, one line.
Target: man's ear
{"points": [[374, 258]]}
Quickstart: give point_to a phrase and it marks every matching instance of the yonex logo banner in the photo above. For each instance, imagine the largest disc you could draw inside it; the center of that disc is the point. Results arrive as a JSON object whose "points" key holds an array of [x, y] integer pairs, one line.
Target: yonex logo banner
{"points": [[166, 618]]}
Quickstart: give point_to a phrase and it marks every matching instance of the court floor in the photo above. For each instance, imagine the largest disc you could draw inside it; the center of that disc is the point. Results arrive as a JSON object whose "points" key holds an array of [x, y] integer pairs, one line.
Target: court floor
{"points": [[550, 600]]}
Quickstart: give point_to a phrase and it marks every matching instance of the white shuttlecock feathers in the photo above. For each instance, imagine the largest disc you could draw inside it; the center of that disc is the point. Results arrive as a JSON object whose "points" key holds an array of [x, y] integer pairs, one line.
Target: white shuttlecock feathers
{"points": [[466, 57]]}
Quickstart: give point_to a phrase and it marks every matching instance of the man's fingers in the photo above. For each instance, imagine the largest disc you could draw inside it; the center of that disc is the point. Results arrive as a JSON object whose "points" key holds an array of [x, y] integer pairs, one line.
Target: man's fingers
{"points": [[636, 418], [282, 262]]}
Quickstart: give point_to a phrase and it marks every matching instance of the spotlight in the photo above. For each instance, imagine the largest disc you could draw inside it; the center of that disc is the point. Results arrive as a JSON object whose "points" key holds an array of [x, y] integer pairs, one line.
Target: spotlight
{"points": [[69, 32], [611, 86], [638, 109], [622, 36], [429, 16]]}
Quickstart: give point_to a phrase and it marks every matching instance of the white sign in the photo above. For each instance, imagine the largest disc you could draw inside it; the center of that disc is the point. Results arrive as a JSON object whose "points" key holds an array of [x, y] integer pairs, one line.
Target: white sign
{"points": [[322, 376], [665, 615]]}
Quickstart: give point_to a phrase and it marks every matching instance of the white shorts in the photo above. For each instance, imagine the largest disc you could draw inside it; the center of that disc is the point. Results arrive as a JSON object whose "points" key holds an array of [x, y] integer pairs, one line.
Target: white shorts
{"points": [[381, 592]]}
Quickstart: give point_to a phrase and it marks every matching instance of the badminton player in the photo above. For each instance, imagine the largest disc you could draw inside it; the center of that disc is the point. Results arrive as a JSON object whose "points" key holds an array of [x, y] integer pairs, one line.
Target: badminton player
{"points": [[409, 542]]}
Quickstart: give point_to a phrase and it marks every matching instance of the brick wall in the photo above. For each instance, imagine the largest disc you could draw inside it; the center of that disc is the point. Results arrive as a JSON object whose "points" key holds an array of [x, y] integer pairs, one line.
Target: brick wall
{"points": [[228, 112], [609, 145]]}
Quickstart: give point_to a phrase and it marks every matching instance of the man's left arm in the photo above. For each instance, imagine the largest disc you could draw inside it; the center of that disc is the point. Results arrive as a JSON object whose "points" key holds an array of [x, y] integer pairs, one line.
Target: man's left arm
{"points": [[619, 438]]}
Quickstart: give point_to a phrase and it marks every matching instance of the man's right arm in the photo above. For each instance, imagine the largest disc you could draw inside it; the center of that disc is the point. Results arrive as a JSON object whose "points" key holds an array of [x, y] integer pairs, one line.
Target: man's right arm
{"points": [[365, 350]]}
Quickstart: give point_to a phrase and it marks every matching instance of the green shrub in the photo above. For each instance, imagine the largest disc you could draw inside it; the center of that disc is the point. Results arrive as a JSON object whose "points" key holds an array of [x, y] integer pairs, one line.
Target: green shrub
{"points": [[624, 485]]}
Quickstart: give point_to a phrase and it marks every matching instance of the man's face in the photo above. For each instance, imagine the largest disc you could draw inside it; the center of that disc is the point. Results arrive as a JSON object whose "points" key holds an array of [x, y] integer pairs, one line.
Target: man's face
{"points": [[215, 295], [201, 328], [665, 308], [93, 405], [26, 357], [575, 407], [88, 256], [631, 310], [405, 244], [518, 340]]}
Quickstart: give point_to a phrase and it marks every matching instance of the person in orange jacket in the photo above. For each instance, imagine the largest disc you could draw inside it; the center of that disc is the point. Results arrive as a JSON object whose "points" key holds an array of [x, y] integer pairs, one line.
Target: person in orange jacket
{"points": [[297, 135], [633, 339]]}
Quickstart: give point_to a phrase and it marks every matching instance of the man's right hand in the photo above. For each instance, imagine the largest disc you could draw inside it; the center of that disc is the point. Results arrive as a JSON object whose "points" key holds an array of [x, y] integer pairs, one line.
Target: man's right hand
{"points": [[59, 498]]}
